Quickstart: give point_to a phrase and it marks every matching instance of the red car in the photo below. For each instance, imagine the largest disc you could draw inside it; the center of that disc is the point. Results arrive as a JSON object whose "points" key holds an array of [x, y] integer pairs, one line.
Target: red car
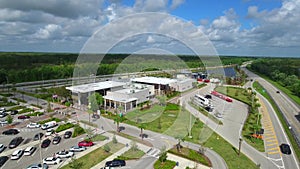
{"points": [[23, 117], [85, 143]]}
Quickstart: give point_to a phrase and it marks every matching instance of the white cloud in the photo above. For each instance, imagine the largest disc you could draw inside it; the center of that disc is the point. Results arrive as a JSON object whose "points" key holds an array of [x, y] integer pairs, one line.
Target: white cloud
{"points": [[49, 31], [176, 3], [150, 39]]}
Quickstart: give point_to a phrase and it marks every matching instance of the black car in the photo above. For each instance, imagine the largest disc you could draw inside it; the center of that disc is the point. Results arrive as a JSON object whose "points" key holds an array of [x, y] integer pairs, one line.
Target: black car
{"points": [[46, 143], [208, 96], [3, 114], [14, 112], [96, 116], [115, 163], [67, 134], [15, 142], [38, 136], [56, 139], [285, 149], [10, 132], [277, 91], [3, 159]]}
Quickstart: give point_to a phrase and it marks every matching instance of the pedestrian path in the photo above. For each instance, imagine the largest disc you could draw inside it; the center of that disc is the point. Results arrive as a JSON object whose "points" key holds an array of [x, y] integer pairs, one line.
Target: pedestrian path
{"points": [[153, 152], [183, 163]]}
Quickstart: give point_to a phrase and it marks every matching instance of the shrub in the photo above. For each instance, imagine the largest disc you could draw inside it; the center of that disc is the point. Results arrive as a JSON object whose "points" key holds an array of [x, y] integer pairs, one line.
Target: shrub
{"points": [[106, 148], [51, 119], [25, 110], [114, 140], [9, 119], [78, 131], [64, 127], [35, 114]]}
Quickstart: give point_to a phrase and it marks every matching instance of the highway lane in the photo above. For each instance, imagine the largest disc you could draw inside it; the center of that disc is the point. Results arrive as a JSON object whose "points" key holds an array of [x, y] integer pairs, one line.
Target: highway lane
{"points": [[286, 106], [290, 161]]}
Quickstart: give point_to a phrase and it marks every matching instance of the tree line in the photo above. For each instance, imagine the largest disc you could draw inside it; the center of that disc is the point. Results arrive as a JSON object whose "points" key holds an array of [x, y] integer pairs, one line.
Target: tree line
{"points": [[18, 67], [285, 71]]}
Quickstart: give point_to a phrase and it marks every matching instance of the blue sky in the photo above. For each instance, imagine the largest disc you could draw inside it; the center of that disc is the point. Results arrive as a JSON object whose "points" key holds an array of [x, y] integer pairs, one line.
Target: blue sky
{"points": [[234, 27]]}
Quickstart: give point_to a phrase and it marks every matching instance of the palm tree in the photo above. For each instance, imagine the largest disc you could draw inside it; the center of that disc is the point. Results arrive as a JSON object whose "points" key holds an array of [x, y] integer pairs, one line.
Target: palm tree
{"points": [[142, 127], [117, 121], [178, 145]]}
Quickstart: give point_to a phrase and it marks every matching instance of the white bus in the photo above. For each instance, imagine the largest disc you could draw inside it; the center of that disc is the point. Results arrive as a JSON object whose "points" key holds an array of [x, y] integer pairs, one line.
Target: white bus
{"points": [[201, 100]]}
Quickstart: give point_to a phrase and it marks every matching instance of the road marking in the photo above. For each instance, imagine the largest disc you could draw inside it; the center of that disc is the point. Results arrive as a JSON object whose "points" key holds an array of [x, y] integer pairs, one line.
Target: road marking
{"points": [[274, 152], [272, 144], [274, 148]]}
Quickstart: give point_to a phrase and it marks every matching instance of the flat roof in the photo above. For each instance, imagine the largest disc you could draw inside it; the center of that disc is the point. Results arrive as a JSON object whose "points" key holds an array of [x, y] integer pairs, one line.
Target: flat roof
{"points": [[117, 99], [128, 91], [85, 88], [154, 80]]}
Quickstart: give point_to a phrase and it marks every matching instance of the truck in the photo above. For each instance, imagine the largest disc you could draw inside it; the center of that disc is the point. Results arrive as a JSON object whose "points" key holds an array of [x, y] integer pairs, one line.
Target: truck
{"points": [[49, 125]]}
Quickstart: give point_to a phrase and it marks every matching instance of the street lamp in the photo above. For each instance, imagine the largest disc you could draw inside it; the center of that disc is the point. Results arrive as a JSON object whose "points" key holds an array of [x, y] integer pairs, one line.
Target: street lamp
{"points": [[240, 145]]}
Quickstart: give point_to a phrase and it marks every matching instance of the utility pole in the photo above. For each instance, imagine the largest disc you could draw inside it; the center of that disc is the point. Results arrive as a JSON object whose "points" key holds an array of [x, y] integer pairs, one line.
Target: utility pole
{"points": [[240, 145]]}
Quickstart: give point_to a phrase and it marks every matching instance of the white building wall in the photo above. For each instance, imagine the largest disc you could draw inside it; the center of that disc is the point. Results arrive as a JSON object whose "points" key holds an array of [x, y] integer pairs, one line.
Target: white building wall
{"points": [[183, 85]]}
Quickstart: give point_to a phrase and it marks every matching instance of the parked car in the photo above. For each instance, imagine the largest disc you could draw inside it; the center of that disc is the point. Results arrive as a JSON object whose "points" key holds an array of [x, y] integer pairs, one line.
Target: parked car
{"points": [[14, 112], [51, 160], [3, 159], [29, 150], [3, 114], [56, 139], [85, 143], [67, 134], [49, 132], [77, 148], [33, 125], [277, 91], [285, 149], [2, 148], [23, 117], [15, 142], [3, 122], [38, 136], [10, 132], [17, 154], [38, 166], [46, 143], [49, 125], [64, 154], [115, 163], [208, 96]]}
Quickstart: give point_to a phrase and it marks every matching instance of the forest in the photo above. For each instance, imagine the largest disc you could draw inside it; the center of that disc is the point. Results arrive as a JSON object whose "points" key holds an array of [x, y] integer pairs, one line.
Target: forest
{"points": [[285, 71], [18, 67]]}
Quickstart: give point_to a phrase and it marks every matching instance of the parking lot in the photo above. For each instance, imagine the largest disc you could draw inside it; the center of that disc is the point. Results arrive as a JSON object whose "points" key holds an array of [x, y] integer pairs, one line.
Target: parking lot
{"points": [[40, 153]]}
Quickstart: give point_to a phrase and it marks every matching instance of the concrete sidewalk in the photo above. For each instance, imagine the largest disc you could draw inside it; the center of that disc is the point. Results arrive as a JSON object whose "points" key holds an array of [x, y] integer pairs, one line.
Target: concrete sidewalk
{"points": [[183, 162]]}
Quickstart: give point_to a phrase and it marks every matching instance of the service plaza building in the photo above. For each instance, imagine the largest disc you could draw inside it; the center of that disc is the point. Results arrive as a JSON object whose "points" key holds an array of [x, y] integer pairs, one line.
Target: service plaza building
{"points": [[129, 94]]}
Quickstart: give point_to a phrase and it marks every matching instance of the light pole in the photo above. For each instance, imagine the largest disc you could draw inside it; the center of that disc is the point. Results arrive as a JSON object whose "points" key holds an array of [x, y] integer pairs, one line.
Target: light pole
{"points": [[240, 145]]}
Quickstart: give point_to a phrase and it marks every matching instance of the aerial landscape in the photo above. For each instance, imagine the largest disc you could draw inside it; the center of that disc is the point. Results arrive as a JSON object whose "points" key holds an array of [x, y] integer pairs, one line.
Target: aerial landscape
{"points": [[150, 84]]}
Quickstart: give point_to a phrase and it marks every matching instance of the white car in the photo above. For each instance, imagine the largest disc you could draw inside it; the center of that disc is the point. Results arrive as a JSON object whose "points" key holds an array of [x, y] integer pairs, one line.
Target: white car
{"points": [[38, 166], [77, 148], [64, 154], [17, 154], [33, 125], [29, 150], [2, 147], [49, 132], [51, 160]]}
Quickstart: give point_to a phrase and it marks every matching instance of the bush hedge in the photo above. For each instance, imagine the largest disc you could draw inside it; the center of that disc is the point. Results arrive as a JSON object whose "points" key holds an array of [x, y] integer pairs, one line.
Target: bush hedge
{"points": [[64, 127], [78, 131], [35, 114], [51, 119]]}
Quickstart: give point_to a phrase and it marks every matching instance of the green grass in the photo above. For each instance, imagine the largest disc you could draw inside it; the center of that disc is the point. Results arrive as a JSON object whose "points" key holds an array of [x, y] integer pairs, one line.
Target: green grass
{"points": [[236, 93], [262, 91], [201, 85], [132, 138], [17, 108], [244, 96], [168, 164], [6, 94], [98, 137], [35, 114], [25, 110], [172, 107], [20, 100], [7, 104], [93, 158], [222, 147], [64, 127], [50, 119], [131, 154], [192, 155]]}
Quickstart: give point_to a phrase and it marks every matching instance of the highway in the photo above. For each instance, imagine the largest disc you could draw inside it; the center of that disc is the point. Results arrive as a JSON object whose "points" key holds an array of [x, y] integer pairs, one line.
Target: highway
{"points": [[289, 161]]}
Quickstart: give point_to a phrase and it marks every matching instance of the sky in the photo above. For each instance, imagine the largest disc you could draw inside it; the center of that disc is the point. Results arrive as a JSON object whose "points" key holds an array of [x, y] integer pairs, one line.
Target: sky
{"points": [[232, 27]]}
